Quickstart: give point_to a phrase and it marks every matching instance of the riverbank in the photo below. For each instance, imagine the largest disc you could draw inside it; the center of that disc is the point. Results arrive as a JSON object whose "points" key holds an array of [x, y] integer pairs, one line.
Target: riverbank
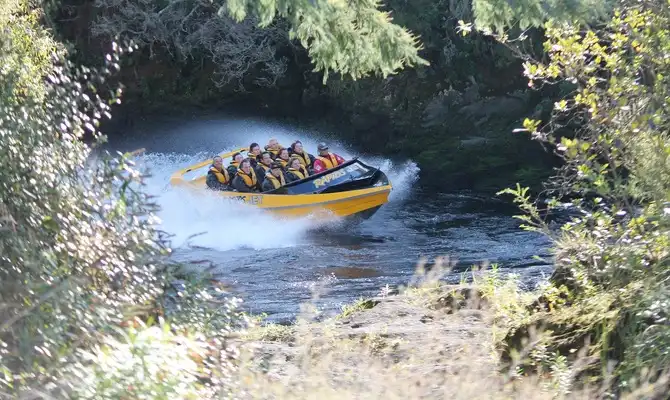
{"points": [[430, 342]]}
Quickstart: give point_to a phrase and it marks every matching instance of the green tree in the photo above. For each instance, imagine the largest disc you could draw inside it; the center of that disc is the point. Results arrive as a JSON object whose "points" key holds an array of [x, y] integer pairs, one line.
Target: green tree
{"points": [[78, 249], [610, 285], [352, 38]]}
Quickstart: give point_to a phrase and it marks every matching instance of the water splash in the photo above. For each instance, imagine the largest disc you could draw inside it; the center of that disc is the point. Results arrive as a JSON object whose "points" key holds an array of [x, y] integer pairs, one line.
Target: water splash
{"points": [[201, 219]]}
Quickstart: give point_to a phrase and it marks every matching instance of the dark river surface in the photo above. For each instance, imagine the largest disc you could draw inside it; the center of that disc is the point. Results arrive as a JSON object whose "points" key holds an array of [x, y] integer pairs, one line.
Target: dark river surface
{"points": [[275, 264]]}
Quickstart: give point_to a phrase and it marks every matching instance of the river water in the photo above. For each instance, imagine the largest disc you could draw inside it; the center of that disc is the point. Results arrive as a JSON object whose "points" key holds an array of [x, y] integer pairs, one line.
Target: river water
{"points": [[275, 265]]}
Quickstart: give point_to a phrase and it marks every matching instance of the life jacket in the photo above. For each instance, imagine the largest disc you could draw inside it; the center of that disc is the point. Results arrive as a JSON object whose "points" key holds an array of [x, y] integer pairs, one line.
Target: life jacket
{"points": [[273, 152], [330, 161], [235, 164], [298, 172], [283, 162], [276, 182], [303, 157], [222, 176], [265, 167], [249, 180]]}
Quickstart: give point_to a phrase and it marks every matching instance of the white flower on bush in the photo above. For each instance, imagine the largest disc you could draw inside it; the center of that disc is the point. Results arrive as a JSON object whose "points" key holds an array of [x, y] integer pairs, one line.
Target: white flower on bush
{"points": [[146, 363]]}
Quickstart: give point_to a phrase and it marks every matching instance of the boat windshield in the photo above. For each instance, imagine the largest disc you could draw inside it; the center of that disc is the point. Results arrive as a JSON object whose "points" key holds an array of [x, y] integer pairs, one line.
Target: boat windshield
{"points": [[351, 171]]}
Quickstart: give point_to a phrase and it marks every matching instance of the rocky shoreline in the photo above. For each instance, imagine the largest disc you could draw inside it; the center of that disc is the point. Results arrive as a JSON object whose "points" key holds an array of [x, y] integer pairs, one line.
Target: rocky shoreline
{"points": [[421, 343]]}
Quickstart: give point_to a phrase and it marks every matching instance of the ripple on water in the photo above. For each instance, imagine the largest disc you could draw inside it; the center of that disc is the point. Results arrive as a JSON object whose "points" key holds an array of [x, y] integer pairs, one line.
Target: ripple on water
{"points": [[277, 264]]}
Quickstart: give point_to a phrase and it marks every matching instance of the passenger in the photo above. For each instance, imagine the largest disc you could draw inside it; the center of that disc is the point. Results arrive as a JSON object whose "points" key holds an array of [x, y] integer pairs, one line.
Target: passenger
{"points": [[263, 166], [218, 177], [295, 170], [246, 180], [274, 178], [273, 147], [234, 165], [254, 154], [283, 157], [306, 159], [326, 160]]}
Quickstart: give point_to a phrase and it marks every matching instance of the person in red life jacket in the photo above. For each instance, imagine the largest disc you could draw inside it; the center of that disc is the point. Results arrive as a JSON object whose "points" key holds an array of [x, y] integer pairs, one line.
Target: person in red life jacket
{"points": [[326, 160], [246, 180], [234, 165], [263, 166], [305, 158], [254, 154], [295, 171], [282, 158], [217, 176], [274, 178], [273, 147]]}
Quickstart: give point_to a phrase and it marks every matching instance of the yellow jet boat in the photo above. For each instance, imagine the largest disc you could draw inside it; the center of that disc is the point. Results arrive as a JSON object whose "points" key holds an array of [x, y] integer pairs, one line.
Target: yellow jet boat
{"points": [[350, 189]]}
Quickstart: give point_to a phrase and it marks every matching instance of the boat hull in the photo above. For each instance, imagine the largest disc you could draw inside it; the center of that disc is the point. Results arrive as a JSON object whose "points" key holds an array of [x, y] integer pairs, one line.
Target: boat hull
{"points": [[353, 189], [322, 206]]}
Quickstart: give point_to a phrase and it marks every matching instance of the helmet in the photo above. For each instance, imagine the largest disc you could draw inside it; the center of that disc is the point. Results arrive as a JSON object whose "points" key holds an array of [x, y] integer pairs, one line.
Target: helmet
{"points": [[322, 146]]}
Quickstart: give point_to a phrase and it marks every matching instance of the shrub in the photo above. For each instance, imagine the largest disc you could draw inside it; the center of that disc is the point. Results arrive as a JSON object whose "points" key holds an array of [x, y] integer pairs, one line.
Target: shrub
{"points": [[79, 251], [612, 256]]}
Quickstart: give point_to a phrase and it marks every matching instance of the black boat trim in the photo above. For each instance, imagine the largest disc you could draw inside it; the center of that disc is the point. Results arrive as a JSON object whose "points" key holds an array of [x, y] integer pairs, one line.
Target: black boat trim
{"points": [[351, 175]]}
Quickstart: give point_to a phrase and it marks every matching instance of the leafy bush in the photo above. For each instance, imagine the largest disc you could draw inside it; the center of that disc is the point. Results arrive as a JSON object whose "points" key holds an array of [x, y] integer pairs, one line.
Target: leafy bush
{"points": [[612, 257], [79, 251]]}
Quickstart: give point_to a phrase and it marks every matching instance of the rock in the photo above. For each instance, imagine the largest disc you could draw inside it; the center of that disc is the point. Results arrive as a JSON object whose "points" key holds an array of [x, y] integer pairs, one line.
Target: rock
{"points": [[434, 339]]}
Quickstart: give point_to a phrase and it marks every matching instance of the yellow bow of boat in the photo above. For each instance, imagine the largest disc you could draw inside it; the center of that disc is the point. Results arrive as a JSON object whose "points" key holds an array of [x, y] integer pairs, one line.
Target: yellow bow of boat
{"points": [[350, 189]]}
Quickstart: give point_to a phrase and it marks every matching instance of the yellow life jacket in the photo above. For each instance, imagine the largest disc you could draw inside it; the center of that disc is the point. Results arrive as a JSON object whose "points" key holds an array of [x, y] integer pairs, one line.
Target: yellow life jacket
{"points": [[283, 162], [330, 161], [265, 167], [303, 157], [276, 182], [222, 176], [235, 164], [297, 172], [249, 180], [274, 152]]}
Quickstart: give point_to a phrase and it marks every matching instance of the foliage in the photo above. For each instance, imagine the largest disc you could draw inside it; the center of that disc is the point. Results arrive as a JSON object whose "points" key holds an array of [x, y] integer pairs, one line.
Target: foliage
{"points": [[353, 38], [81, 252], [194, 30], [80, 256], [26, 51], [148, 362], [498, 15], [358, 306], [612, 256], [195, 302]]}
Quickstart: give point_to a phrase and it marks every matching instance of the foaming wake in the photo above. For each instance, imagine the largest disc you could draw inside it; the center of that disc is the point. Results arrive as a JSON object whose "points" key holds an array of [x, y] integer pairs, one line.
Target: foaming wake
{"points": [[200, 218]]}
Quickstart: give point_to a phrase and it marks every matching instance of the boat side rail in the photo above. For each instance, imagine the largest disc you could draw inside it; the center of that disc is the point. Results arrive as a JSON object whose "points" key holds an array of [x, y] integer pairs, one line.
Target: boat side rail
{"points": [[178, 177]]}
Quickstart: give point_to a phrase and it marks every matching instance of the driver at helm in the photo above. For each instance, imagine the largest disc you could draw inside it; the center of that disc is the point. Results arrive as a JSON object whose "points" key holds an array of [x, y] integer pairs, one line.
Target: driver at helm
{"points": [[325, 159]]}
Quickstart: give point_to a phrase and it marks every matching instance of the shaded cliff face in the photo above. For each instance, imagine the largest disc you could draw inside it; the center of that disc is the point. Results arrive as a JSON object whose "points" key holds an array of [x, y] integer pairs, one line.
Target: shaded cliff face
{"points": [[454, 117]]}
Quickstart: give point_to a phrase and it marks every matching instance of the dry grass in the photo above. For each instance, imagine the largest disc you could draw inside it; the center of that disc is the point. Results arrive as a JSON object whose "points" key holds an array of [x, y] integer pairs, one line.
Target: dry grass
{"points": [[270, 333], [430, 341]]}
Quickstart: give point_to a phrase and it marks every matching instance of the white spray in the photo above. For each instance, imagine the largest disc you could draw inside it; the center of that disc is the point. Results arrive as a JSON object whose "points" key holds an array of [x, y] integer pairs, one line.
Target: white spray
{"points": [[199, 218]]}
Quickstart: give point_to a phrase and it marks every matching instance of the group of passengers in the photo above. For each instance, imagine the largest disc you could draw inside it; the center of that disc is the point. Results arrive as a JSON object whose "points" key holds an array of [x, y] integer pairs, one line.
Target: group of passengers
{"points": [[271, 169]]}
